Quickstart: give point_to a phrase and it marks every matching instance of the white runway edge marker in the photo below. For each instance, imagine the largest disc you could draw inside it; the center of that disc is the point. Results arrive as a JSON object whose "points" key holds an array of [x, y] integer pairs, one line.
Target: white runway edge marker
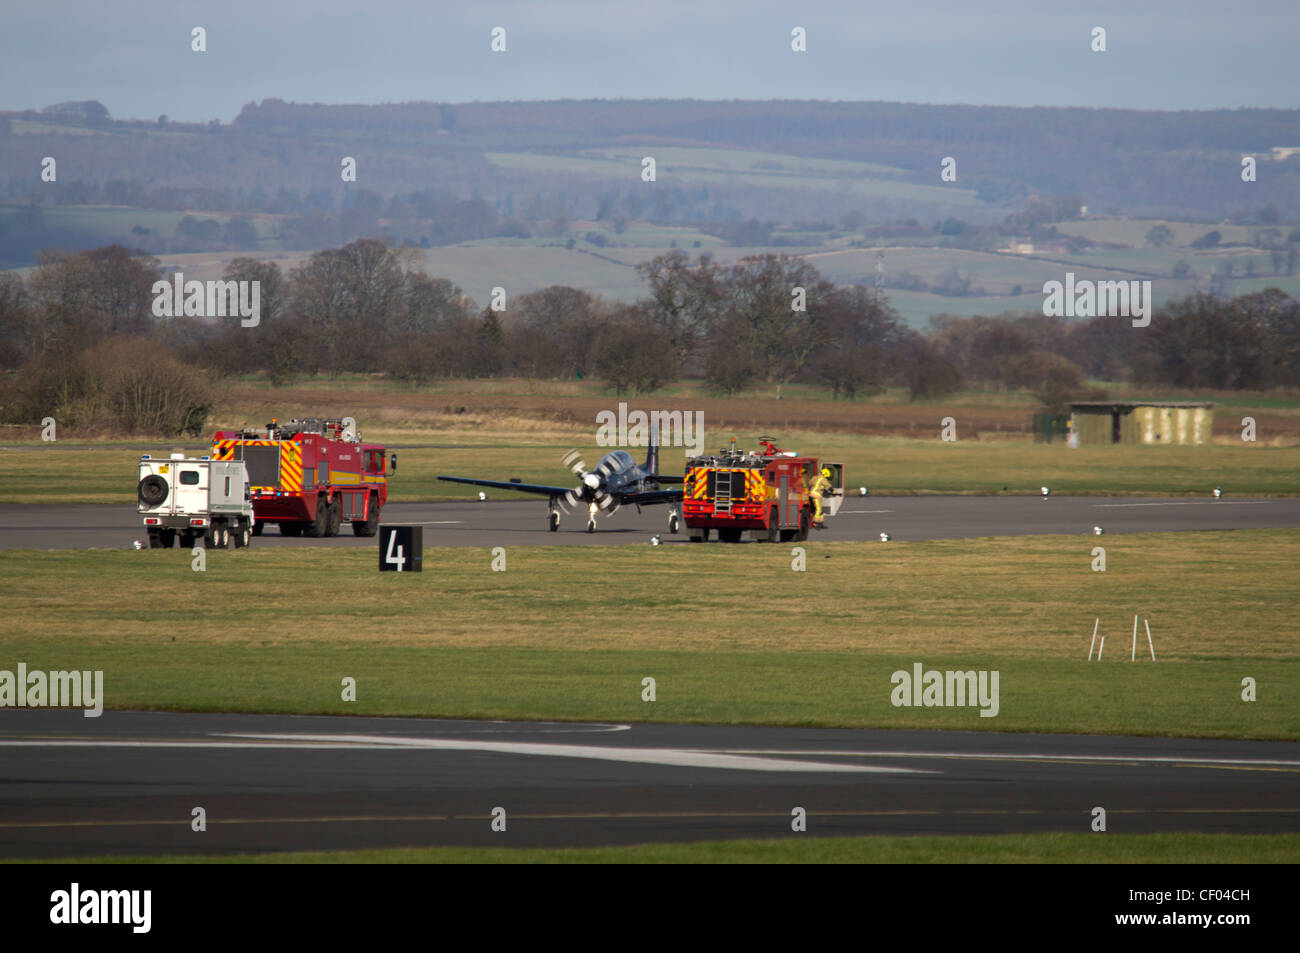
{"points": [[1093, 644]]}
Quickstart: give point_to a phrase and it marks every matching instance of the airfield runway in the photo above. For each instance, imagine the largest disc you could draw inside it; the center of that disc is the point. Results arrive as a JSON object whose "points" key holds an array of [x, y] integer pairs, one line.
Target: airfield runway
{"points": [[128, 782], [523, 523]]}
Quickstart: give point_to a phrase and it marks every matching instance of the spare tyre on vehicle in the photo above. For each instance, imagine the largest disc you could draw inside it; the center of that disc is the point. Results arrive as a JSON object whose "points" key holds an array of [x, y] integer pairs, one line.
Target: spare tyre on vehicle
{"points": [[152, 490]]}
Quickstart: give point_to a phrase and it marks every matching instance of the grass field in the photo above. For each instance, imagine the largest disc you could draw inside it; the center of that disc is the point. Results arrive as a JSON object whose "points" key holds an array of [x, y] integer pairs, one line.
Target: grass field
{"points": [[729, 167], [999, 849], [569, 632]]}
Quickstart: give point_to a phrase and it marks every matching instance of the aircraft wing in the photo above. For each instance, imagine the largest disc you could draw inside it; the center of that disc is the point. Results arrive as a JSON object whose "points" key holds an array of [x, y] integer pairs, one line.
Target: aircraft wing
{"points": [[670, 480], [650, 496], [537, 488]]}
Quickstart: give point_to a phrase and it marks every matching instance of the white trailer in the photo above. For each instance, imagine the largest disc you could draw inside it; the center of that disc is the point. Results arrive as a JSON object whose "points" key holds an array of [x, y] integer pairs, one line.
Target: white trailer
{"points": [[194, 498]]}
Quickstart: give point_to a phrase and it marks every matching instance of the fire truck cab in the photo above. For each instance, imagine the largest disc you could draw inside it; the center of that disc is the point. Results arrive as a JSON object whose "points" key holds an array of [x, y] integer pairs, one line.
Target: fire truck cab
{"points": [[310, 476], [765, 492]]}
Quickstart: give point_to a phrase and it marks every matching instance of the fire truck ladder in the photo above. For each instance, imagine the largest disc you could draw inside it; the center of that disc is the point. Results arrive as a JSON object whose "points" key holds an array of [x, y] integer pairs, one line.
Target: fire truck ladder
{"points": [[722, 491]]}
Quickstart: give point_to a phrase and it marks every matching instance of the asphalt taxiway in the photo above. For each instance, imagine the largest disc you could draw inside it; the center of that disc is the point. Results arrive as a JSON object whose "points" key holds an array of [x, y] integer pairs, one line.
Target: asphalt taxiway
{"points": [[523, 523]]}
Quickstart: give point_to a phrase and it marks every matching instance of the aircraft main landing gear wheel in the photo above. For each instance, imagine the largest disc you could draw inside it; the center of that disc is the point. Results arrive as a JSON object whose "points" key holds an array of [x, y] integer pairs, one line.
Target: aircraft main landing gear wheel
{"points": [[554, 521], [674, 523]]}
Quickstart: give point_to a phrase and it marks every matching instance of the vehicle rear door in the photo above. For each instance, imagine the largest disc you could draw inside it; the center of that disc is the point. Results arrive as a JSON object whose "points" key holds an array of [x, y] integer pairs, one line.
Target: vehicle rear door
{"points": [[833, 500]]}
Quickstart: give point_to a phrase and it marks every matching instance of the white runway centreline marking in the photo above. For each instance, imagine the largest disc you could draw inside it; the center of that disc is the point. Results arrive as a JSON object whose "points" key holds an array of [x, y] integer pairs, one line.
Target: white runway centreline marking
{"points": [[1011, 756], [673, 757], [1102, 506], [868, 511]]}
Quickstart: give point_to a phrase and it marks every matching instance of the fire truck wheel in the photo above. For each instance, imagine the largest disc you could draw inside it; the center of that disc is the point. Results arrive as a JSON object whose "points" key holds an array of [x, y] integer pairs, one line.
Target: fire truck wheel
{"points": [[334, 517], [773, 527], [803, 526], [370, 525], [729, 535], [290, 529], [317, 526], [257, 527]]}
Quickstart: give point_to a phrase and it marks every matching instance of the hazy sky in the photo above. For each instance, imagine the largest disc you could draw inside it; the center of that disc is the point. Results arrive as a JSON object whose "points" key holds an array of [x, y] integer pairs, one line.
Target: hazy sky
{"points": [[135, 56]]}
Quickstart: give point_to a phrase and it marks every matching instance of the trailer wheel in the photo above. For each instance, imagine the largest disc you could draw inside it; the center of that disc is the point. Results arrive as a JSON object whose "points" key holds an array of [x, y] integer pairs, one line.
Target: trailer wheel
{"points": [[370, 525]]}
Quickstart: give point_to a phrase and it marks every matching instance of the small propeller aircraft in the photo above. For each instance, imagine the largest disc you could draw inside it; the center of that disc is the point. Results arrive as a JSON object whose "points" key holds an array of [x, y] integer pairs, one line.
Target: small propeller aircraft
{"points": [[616, 481]]}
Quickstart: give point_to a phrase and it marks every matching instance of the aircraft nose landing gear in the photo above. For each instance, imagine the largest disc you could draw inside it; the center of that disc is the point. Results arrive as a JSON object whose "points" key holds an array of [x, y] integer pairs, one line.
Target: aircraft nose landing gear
{"points": [[591, 517], [674, 520], [553, 517]]}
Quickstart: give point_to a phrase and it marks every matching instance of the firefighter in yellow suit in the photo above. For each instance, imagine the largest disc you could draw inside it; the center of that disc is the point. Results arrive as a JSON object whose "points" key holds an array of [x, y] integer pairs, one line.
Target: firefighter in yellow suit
{"points": [[823, 485]]}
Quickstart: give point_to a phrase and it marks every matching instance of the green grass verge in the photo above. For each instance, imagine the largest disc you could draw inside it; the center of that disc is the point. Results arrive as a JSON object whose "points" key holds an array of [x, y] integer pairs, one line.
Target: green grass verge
{"points": [[999, 849], [730, 634], [887, 465]]}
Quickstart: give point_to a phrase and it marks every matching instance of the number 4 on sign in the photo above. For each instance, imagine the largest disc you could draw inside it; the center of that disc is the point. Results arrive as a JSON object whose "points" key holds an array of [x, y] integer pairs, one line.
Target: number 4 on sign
{"points": [[397, 558]]}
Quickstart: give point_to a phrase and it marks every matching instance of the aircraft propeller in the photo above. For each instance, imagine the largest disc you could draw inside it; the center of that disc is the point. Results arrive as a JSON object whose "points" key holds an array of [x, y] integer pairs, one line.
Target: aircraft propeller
{"points": [[590, 484]]}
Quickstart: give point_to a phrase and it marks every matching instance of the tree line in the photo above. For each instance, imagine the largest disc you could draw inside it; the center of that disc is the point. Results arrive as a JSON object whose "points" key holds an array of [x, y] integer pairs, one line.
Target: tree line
{"points": [[81, 342]]}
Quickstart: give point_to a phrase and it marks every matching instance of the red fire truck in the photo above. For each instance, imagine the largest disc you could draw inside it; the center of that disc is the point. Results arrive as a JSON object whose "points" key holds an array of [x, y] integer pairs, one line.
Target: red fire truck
{"points": [[309, 476], [765, 492]]}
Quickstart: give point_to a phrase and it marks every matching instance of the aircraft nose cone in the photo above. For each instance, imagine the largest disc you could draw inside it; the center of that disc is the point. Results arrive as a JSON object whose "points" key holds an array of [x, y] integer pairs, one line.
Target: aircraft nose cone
{"points": [[591, 481]]}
